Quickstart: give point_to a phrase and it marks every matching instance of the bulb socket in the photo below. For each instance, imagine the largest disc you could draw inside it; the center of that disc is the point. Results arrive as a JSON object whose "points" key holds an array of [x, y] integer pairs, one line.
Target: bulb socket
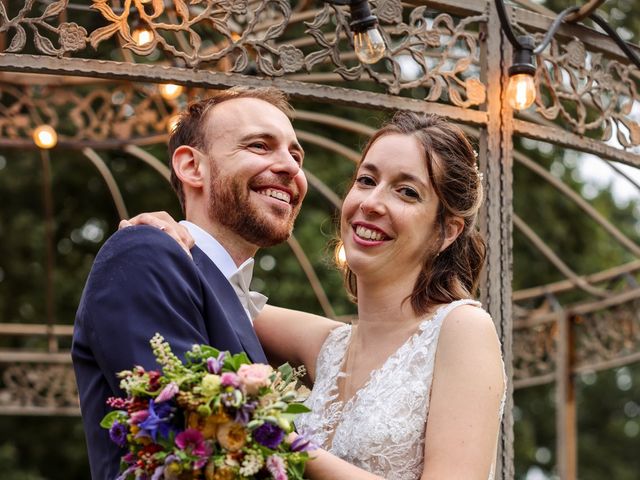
{"points": [[361, 17], [523, 59]]}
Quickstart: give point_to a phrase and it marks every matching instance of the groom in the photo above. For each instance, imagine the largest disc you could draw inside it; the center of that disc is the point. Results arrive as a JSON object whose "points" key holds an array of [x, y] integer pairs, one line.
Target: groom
{"points": [[236, 167]]}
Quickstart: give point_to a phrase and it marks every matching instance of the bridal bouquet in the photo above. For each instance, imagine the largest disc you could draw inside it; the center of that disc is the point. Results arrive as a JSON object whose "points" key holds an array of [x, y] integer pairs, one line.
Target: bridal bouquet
{"points": [[216, 417]]}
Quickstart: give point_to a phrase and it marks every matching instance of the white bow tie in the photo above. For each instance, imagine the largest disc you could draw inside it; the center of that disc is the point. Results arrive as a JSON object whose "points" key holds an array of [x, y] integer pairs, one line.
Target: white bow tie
{"points": [[252, 302]]}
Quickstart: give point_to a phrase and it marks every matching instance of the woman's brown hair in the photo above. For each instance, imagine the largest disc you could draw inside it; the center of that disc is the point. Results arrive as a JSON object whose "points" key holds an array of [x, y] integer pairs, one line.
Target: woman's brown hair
{"points": [[453, 273]]}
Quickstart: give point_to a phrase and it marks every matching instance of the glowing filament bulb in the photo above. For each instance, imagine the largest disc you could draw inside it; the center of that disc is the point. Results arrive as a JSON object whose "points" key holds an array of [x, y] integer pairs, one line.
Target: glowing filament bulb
{"points": [[169, 91], [521, 91], [45, 136], [369, 45], [142, 36]]}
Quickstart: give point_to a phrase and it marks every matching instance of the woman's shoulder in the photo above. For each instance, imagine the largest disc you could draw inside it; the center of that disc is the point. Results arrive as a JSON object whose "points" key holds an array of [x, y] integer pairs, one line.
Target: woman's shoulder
{"points": [[468, 322]]}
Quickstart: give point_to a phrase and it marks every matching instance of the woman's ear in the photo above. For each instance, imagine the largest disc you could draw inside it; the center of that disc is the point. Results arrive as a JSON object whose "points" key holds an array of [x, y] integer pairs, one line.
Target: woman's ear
{"points": [[189, 165], [453, 228]]}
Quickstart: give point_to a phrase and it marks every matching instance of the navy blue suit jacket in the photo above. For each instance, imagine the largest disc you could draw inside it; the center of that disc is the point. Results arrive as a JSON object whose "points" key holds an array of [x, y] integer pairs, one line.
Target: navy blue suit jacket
{"points": [[141, 283]]}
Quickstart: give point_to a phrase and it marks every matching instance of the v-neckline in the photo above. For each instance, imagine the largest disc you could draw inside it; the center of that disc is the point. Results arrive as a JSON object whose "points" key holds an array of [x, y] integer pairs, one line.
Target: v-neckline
{"points": [[348, 404]]}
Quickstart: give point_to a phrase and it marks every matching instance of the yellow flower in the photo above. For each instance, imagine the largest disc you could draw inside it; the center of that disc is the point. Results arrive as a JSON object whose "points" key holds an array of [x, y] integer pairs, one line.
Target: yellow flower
{"points": [[210, 385], [232, 436]]}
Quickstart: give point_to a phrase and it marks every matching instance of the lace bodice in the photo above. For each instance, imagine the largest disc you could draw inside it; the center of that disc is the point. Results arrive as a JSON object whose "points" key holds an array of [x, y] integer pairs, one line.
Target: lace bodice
{"points": [[382, 428]]}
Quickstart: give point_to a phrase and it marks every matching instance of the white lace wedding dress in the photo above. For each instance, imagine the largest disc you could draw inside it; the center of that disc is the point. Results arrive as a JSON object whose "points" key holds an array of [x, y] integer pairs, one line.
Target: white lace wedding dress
{"points": [[382, 428]]}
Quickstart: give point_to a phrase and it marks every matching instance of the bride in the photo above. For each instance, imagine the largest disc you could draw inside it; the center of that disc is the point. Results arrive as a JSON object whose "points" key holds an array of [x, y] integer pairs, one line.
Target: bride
{"points": [[414, 389]]}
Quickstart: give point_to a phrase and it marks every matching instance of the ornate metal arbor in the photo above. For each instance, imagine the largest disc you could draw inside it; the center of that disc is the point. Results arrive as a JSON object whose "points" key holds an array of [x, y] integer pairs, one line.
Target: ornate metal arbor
{"points": [[90, 70]]}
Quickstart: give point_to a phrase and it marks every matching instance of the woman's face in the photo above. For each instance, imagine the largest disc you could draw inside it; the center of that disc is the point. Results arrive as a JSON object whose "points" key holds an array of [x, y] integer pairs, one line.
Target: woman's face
{"points": [[389, 215]]}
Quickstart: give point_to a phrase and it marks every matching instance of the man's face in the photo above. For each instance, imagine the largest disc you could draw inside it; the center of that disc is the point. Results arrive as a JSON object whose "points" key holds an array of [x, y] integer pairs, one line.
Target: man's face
{"points": [[256, 182]]}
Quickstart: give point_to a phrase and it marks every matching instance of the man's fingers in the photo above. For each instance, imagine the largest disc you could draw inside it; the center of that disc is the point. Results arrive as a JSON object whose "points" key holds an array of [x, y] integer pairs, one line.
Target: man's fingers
{"points": [[124, 224], [185, 236]]}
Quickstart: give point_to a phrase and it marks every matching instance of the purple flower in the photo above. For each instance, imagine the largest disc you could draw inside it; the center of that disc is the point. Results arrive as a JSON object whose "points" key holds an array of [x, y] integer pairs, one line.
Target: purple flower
{"points": [[268, 435], [157, 421], [168, 392], [125, 474], [118, 434], [277, 468], [158, 473], [192, 441], [243, 414], [303, 444], [214, 365]]}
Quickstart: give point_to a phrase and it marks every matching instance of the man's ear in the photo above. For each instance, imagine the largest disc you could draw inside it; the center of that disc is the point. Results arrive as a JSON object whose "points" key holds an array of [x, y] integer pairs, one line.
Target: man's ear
{"points": [[189, 165], [453, 228]]}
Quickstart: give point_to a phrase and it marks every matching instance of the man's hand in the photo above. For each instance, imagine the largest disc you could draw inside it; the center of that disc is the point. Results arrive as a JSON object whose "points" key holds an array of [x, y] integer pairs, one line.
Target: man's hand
{"points": [[164, 222]]}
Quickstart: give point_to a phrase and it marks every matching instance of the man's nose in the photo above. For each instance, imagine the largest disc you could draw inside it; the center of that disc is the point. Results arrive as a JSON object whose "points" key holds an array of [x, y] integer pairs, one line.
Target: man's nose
{"points": [[286, 163]]}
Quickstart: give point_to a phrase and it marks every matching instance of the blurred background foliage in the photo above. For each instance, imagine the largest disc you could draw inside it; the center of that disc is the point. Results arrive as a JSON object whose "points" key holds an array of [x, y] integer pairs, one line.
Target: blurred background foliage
{"points": [[34, 448]]}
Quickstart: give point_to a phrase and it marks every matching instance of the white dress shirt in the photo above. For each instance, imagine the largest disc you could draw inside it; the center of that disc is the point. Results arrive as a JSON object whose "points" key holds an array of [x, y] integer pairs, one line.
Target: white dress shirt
{"points": [[239, 277]]}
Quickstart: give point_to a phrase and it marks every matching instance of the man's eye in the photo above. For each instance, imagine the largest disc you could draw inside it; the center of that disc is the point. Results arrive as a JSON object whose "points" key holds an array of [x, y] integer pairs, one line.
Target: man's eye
{"points": [[258, 146], [365, 180], [410, 192]]}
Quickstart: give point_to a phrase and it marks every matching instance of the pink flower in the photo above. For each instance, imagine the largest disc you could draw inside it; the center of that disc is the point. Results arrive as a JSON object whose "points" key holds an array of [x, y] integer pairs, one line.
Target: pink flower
{"points": [[230, 379], [277, 468], [193, 441], [254, 376], [168, 392], [138, 417]]}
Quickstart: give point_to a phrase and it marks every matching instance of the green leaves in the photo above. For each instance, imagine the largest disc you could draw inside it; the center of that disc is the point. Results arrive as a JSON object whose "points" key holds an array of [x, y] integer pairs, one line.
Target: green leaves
{"points": [[296, 408], [111, 417]]}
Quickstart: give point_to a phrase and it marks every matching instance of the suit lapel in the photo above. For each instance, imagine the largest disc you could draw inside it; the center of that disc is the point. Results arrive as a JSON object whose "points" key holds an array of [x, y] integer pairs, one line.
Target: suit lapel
{"points": [[230, 302]]}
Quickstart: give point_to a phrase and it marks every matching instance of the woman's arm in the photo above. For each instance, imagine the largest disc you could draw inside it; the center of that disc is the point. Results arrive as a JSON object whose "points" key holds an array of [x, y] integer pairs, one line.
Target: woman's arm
{"points": [[325, 466], [468, 386], [292, 336]]}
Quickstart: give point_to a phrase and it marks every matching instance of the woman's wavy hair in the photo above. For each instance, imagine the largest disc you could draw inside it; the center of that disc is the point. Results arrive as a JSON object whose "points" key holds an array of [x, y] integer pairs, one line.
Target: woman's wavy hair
{"points": [[453, 273]]}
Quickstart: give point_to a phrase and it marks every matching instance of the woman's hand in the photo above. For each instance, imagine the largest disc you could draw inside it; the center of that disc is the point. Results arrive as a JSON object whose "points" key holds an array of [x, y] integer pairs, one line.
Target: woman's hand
{"points": [[164, 222]]}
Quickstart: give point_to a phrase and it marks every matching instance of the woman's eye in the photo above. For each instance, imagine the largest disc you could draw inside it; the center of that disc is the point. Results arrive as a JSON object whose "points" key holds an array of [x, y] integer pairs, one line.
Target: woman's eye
{"points": [[365, 180], [410, 192]]}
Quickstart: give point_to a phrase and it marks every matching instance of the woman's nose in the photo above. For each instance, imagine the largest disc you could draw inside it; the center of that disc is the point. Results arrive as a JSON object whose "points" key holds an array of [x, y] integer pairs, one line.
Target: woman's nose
{"points": [[373, 203]]}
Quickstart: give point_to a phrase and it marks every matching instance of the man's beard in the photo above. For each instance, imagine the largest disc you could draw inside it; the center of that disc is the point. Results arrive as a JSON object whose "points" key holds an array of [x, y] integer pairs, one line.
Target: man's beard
{"points": [[230, 205]]}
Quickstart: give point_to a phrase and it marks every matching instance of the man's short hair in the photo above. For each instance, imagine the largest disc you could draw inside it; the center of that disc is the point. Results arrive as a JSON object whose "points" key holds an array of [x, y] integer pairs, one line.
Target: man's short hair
{"points": [[189, 129]]}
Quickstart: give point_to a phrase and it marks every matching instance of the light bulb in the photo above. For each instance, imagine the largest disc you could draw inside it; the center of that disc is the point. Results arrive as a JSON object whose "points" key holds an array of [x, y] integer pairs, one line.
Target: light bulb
{"points": [[169, 91], [521, 91], [341, 256], [172, 123], [45, 136], [142, 36], [369, 45]]}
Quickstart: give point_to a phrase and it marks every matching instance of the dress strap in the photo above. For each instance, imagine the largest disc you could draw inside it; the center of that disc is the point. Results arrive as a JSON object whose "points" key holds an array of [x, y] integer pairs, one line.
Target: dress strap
{"points": [[444, 310]]}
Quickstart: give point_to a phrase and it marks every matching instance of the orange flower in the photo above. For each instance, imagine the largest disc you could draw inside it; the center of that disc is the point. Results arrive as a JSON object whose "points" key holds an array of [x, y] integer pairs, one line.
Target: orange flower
{"points": [[232, 436], [223, 473], [209, 427]]}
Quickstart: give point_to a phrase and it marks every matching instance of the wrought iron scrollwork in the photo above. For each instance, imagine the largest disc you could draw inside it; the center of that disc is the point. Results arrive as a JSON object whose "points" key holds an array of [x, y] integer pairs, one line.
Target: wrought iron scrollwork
{"points": [[33, 387], [590, 93]]}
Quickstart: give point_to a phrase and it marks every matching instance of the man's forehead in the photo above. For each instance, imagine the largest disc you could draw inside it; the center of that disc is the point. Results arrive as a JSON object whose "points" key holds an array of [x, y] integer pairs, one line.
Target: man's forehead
{"points": [[249, 113]]}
